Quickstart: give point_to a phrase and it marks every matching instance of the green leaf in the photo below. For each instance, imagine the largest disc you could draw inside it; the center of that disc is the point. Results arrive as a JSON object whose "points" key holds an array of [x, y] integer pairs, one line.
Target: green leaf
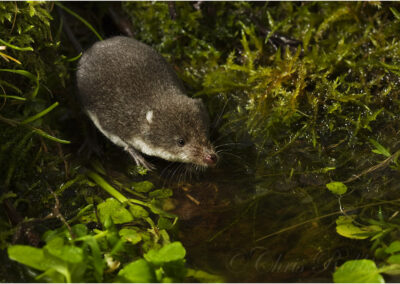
{"points": [[16, 47], [394, 259], [358, 271], [31, 11], [106, 186], [161, 193], [393, 269], [66, 253], [130, 235], [380, 253], [379, 148], [156, 210], [74, 58], [170, 252], [164, 223], [30, 256], [337, 187], [346, 228], [21, 72], [39, 115], [138, 211], [80, 19], [395, 13], [48, 136], [115, 210], [175, 270], [13, 97], [143, 186], [393, 247], [51, 275], [138, 271], [204, 277], [97, 259], [350, 231]]}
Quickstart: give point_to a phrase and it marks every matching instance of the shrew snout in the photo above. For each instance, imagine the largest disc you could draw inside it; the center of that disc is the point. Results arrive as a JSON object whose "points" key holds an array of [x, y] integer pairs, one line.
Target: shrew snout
{"points": [[210, 159]]}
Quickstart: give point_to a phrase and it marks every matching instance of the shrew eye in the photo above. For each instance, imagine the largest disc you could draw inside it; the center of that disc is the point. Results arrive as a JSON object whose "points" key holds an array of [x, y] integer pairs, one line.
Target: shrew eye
{"points": [[181, 142]]}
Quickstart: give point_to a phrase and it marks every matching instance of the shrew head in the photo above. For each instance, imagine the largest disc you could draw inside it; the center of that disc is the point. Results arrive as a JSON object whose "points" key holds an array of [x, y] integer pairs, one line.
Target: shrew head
{"points": [[177, 131]]}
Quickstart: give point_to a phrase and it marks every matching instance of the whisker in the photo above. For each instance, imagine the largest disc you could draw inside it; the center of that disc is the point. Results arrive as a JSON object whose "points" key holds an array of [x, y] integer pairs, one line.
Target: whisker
{"points": [[167, 167], [233, 155], [214, 125], [173, 167], [176, 171], [184, 173], [164, 172], [228, 144], [182, 168]]}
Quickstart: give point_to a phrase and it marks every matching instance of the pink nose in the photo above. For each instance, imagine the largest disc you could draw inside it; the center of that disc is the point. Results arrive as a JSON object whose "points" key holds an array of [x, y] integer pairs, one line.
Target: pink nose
{"points": [[211, 159]]}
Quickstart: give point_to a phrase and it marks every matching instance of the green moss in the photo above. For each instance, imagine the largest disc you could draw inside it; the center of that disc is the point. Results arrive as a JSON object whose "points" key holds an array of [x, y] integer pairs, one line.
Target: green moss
{"points": [[337, 85], [313, 86]]}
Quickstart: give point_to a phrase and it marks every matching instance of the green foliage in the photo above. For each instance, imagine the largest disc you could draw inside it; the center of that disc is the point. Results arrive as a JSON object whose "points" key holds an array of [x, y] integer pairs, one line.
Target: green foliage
{"points": [[379, 149], [345, 227], [138, 271], [25, 86], [144, 186], [169, 253], [112, 208], [393, 247], [87, 256], [358, 271], [192, 39], [82, 255], [337, 187], [163, 265], [387, 254]]}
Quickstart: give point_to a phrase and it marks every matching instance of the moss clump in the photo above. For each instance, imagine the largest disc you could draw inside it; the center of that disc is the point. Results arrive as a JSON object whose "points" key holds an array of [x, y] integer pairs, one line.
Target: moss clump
{"points": [[30, 69], [325, 94]]}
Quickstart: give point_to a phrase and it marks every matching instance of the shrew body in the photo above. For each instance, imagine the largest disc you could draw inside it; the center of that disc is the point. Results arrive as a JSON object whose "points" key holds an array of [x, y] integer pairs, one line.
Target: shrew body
{"points": [[136, 100]]}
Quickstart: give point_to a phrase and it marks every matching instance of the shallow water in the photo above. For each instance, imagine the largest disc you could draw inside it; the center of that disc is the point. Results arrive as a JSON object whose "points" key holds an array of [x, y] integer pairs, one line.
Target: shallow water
{"points": [[250, 227]]}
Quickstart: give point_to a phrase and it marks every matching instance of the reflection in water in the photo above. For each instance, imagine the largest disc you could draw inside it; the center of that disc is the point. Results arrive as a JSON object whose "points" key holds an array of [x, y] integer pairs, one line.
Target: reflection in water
{"points": [[223, 222]]}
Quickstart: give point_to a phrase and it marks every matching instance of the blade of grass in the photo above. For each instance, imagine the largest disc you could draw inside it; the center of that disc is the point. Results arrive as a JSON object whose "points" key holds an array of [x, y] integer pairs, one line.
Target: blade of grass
{"points": [[18, 151], [379, 149], [395, 13], [35, 130], [21, 72], [79, 18], [48, 136], [106, 186], [40, 114], [75, 58], [16, 47], [6, 57], [11, 86], [36, 90], [13, 97]]}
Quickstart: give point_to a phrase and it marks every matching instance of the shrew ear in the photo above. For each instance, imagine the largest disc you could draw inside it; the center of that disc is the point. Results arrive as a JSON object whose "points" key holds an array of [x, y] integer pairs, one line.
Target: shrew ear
{"points": [[149, 116], [202, 110]]}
